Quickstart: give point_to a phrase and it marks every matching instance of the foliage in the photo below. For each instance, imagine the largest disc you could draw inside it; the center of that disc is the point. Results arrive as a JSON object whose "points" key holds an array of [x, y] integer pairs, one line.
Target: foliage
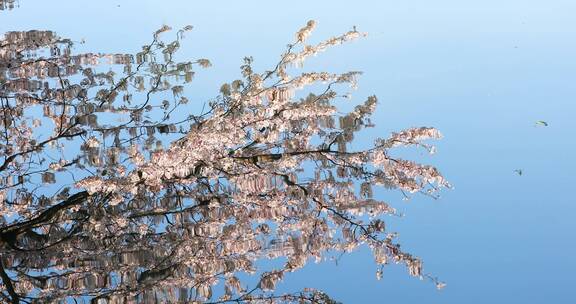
{"points": [[111, 191]]}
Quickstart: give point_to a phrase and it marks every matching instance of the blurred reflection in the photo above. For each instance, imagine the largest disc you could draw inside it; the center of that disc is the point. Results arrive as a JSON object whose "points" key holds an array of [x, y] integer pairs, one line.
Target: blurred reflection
{"points": [[8, 4], [113, 191]]}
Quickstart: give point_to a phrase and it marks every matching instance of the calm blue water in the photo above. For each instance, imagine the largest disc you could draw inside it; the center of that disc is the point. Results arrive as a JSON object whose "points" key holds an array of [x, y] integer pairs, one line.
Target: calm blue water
{"points": [[483, 72]]}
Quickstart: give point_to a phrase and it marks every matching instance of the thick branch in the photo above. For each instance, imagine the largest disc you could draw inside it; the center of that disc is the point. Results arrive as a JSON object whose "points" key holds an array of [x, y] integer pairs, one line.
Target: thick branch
{"points": [[8, 283], [9, 233]]}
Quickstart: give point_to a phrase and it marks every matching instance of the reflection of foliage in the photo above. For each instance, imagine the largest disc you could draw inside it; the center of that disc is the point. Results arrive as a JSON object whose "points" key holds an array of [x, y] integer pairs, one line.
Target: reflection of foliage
{"points": [[7, 4], [263, 171]]}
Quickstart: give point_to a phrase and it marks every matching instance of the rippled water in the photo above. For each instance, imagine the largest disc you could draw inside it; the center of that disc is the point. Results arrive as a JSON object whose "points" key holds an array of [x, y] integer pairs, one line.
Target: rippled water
{"points": [[496, 79]]}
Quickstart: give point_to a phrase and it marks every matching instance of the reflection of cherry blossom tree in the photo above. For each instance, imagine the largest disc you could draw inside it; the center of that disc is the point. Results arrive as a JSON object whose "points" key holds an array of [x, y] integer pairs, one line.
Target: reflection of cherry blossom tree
{"points": [[7, 4], [111, 191]]}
